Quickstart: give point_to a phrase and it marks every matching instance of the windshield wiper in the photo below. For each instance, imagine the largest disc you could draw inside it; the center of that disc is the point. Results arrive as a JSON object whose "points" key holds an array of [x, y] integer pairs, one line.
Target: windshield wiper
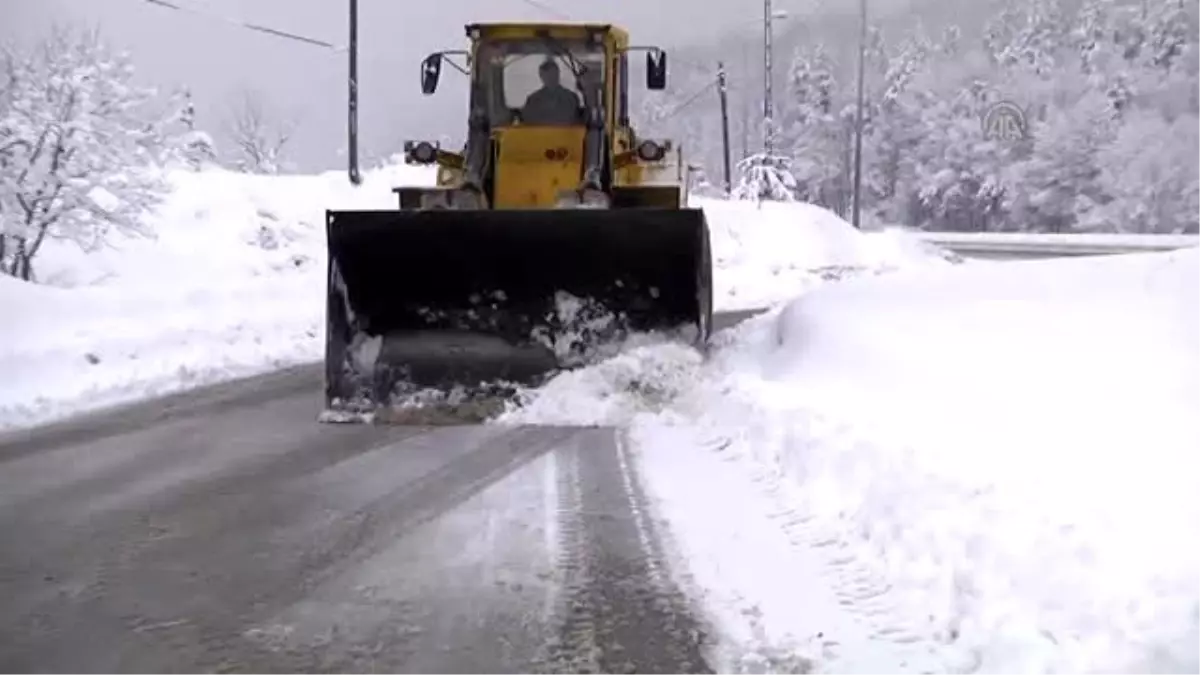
{"points": [[577, 68]]}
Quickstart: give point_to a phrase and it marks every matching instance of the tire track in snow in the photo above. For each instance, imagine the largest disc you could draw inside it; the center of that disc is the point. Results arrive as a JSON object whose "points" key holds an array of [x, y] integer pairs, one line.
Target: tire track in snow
{"points": [[618, 608], [860, 590], [574, 648], [785, 591]]}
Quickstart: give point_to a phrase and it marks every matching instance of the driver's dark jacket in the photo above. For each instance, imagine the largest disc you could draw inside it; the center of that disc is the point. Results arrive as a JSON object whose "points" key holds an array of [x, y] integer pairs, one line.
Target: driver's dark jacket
{"points": [[554, 105]]}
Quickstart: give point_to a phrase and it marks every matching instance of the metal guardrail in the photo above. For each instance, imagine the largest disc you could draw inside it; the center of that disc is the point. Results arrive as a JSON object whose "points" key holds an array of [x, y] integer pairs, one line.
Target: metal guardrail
{"points": [[1036, 245]]}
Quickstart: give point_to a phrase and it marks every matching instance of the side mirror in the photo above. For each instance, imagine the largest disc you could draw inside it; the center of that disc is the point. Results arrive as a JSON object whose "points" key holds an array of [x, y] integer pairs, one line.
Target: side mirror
{"points": [[656, 70], [431, 71]]}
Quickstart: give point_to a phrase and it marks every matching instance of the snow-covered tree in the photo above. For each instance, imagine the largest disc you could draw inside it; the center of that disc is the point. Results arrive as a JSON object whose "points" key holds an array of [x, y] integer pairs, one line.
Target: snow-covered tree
{"points": [[701, 184], [814, 133], [1174, 92], [79, 143], [259, 140], [999, 33], [765, 177], [810, 91], [1150, 177], [876, 52], [1105, 86], [894, 121], [950, 43], [197, 149], [1059, 180], [1027, 33], [194, 147], [1171, 29], [1091, 34]]}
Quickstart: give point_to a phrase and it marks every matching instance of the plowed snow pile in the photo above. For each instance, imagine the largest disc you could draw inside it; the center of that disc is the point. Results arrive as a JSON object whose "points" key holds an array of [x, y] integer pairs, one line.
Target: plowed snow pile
{"points": [[769, 252], [985, 468], [233, 284]]}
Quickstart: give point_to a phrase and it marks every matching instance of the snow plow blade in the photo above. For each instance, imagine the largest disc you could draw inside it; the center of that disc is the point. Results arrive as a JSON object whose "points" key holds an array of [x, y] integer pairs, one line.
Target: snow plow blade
{"points": [[456, 298]]}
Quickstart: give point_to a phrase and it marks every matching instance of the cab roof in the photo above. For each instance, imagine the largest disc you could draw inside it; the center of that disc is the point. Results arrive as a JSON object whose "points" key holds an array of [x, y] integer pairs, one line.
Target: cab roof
{"points": [[487, 28]]}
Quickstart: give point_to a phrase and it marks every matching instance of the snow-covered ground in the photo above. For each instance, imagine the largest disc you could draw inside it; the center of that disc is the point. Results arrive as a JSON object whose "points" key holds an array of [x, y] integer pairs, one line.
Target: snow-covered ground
{"points": [[985, 468], [945, 467], [233, 284]]}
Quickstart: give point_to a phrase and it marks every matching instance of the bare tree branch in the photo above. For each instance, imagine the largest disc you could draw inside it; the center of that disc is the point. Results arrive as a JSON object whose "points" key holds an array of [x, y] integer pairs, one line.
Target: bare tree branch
{"points": [[260, 142]]}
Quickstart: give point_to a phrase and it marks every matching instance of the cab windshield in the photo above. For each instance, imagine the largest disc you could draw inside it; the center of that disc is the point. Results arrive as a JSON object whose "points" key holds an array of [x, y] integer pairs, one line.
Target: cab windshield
{"points": [[543, 81]]}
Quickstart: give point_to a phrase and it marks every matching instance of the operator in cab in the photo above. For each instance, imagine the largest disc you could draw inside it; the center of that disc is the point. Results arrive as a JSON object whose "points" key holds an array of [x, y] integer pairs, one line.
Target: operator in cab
{"points": [[553, 104]]}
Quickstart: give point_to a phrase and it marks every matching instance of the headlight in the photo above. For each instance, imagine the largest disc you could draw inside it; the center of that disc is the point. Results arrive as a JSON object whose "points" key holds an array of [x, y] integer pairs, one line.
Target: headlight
{"points": [[649, 151], [422, 152]]}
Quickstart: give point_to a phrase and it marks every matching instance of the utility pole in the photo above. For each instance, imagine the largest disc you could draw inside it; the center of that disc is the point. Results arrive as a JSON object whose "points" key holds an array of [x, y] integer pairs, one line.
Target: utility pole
{"points": [[744, 107], [768, 97], [352, 103], [856, 212], [723, 90]]}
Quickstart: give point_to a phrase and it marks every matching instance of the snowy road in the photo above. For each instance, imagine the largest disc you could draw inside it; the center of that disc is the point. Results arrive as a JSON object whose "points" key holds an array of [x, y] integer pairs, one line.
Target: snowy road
{"points": [[226, 529]]}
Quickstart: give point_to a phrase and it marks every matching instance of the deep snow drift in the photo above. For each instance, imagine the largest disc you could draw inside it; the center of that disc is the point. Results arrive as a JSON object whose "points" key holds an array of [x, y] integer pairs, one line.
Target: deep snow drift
{"points": [[983, 468], [234, 283]]}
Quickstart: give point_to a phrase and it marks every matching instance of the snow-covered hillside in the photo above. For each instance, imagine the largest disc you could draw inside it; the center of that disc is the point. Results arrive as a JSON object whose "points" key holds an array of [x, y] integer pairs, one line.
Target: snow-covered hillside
{"points": [[980, 468], [233, 284]]}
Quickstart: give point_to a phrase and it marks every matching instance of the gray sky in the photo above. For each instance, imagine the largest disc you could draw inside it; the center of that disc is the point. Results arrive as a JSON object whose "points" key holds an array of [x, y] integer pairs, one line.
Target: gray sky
{"points": [[306, 84]]}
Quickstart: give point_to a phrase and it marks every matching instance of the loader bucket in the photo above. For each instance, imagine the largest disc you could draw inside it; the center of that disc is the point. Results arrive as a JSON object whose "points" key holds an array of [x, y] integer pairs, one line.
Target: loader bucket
{"points": [[446, 298]]}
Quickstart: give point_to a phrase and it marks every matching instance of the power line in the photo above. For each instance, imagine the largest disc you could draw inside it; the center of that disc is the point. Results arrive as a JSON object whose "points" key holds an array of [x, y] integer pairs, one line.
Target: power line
{"points": [[558, 14], [296, 37], [288, 35], [249, 26], [687, 102], [536, 4], [705, 70]]}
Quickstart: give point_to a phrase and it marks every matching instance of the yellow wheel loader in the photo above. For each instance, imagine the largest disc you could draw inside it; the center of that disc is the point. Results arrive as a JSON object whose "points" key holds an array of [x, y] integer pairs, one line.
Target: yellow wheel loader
{"points": [[553, 200]]}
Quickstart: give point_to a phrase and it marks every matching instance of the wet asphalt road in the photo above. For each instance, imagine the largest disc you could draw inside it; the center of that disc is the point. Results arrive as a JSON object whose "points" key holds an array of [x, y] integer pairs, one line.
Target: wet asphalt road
{"points": [[226, 530]]}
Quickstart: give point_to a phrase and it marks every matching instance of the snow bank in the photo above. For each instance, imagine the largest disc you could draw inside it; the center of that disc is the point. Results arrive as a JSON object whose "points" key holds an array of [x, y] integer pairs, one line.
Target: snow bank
{"points": [[983, 468], [234, 280], [769, 253], [1018, 452], [232, 284]]}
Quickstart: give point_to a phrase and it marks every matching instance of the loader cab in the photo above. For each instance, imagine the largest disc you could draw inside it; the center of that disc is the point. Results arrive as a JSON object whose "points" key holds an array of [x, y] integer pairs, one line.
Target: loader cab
{"points": [[504, 63], [539, 82], [548, 117]]}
